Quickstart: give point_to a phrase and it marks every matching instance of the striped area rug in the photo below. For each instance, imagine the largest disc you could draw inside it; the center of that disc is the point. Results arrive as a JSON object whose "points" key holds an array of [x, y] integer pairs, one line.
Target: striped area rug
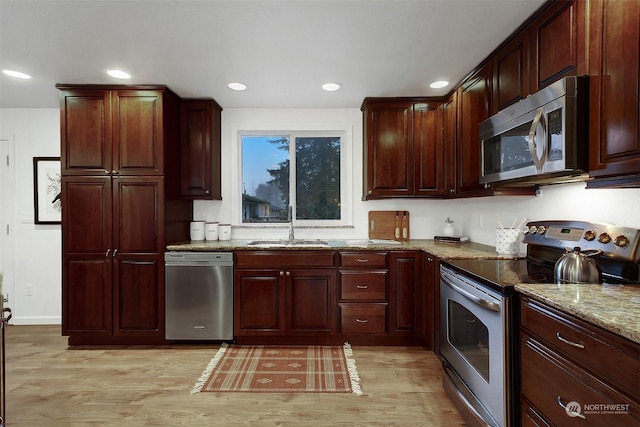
{"points": [[281, 369]]}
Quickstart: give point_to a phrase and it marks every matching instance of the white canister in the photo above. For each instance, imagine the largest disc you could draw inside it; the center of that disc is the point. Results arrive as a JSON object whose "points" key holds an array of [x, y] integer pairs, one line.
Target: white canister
{"points": [[224, 232], [211, 231], [196, 230], [508, 241]]}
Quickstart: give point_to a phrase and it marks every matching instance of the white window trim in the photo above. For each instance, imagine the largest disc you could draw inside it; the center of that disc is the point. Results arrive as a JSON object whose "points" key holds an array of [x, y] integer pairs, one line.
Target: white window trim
{"points": [[346, 179]]}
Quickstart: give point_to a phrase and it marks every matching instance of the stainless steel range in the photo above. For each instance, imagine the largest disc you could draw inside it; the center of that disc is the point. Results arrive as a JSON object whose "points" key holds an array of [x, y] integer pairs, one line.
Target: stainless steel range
{"points": [[478, 328]]}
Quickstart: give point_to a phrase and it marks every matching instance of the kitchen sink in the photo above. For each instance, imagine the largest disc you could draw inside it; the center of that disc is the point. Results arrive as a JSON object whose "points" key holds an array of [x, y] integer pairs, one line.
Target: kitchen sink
{"points": [[297, 243]]}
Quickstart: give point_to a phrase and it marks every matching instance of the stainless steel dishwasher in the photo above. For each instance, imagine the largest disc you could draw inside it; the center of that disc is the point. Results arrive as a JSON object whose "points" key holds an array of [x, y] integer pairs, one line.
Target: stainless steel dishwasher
{"points": [[198, 295]]}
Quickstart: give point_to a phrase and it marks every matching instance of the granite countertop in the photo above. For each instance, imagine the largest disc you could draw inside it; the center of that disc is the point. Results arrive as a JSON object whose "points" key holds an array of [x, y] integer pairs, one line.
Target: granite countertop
{"points": [[468, 250], [615, 308]]}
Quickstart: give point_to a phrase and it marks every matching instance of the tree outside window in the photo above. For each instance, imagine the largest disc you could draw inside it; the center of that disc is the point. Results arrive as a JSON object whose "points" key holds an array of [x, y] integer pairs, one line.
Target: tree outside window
{"points": [[271, 184]]}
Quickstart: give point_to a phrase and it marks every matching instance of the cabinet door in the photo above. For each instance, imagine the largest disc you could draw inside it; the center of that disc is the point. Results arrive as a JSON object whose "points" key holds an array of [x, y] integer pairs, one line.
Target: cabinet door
{"points": [[86, 295], [614, 89], [138, 302], [85, 136], [138, 132], [388, 149], [511, 72], [138, 221], [310, 301], [429, 152], [474, 98], [259, 302], [86, 261], [405, 294], [138, 263], [200, 150], [558, 43], [429, 301], [450, 138]]}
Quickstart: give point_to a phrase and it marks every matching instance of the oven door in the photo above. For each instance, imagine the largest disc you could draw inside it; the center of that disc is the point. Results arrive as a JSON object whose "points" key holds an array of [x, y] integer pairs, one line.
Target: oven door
{"points": [[473, 344]]}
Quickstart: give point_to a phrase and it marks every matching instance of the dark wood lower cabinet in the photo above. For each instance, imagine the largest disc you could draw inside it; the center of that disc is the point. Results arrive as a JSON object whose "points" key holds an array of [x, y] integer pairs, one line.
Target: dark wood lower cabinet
{"points": [[405, 271], [569, 368], [296, 298], [364, 297]]}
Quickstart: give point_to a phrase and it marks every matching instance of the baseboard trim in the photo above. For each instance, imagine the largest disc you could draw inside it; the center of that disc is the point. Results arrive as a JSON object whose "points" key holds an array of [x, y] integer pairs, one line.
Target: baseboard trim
{"points": [[36, 320]]}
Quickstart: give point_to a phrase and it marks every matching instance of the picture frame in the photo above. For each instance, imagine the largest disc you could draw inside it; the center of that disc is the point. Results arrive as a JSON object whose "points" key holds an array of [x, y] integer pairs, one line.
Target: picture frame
{"points": [[46, 190]]}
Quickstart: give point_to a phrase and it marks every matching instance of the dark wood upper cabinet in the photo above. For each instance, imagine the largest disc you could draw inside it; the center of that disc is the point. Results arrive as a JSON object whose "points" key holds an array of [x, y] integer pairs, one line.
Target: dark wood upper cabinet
{"points": [[450, 137], [85, 132], [429, 151], [511, 72], [474, 106], [200, 174], [558, 43], [614, 93], [109, 130], [403, 148], [388, 148], [138, 132]]}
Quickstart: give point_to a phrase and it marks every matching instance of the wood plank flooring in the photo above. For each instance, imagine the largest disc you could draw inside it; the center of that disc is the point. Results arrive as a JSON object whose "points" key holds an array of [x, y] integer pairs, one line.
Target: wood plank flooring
{"points": [[51, 385]]}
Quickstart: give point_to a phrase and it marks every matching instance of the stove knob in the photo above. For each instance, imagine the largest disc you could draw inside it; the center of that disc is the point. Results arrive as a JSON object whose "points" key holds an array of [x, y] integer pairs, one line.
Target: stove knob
{"points": [[604, 238], [621, 241], [589, 235], [542, 229], [532, 229]]}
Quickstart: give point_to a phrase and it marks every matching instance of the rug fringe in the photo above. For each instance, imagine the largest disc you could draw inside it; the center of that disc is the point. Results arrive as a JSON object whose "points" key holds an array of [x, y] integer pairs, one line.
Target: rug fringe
{"points": [[210, 367], [353, 371]]}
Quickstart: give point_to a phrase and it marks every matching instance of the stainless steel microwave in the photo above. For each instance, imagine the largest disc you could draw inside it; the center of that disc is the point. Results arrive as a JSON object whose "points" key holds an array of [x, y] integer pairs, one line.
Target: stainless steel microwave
{"points": [[541, 139]]}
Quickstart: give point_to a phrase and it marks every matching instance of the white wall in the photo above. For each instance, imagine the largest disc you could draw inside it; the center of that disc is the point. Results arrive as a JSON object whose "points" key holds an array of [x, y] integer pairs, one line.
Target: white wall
{"points": [[37, 256]]}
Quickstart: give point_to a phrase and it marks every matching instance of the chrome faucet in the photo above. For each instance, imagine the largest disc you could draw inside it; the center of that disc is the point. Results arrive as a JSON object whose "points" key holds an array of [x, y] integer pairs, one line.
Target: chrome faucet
{"points": [[290, 219]]}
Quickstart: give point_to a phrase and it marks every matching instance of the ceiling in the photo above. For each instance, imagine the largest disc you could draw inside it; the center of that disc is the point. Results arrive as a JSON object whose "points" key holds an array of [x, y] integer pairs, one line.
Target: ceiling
{"points": [[283, 50]]}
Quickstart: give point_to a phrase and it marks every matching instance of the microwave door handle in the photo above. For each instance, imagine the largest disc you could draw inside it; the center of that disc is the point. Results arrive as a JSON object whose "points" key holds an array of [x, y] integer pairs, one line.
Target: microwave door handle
{"points": [[539, 119]]}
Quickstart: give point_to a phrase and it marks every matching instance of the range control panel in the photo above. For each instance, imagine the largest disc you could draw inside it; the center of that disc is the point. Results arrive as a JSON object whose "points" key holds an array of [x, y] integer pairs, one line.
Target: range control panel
{"points": [[612, 240]]}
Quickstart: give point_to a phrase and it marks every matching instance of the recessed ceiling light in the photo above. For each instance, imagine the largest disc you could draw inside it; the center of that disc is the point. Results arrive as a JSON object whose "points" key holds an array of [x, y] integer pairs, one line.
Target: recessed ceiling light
{"points": [[331, 87], [16, 74], [439, 84], [237, 86], [119, 74]]}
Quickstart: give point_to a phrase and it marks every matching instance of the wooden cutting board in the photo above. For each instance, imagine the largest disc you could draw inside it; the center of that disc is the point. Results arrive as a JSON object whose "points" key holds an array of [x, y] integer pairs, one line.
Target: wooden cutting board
{"points": [[382, 224]]}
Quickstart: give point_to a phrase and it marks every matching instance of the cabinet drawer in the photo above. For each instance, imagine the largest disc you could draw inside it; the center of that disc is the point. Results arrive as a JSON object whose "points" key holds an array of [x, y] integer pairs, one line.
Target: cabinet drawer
{"points": [[549, 380], [363, 318], [363, 259], [284, 259], [604, 354], [369, 285]]}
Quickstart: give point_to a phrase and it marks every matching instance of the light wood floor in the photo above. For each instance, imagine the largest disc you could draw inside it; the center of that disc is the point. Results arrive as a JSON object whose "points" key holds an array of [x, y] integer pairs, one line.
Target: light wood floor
{"points": [[50, 385]]}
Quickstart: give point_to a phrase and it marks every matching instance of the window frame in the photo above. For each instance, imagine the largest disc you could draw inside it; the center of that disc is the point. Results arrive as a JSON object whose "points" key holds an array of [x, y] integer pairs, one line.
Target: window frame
{"points": [[345, 178]]}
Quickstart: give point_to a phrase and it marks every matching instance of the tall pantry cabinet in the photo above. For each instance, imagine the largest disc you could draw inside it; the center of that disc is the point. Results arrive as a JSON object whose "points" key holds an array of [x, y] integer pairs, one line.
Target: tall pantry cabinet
{"points": [[120, 207]]}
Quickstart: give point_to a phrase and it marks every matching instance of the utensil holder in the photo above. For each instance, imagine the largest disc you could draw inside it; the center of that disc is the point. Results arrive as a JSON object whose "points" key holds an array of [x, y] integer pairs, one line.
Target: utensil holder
{"points": [[508, 241]]}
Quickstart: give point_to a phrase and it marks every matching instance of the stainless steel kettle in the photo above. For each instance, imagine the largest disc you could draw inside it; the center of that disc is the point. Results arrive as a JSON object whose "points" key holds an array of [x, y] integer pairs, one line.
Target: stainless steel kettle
{"points": [[577, 267]]}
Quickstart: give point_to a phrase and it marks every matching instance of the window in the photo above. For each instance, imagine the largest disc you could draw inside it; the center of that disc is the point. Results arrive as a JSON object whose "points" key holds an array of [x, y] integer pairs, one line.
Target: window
{"points": [[301, 170]]}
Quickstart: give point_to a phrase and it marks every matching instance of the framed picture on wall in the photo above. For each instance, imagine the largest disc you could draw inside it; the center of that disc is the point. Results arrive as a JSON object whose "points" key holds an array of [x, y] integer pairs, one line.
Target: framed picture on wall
{"points": [[46, 190]]}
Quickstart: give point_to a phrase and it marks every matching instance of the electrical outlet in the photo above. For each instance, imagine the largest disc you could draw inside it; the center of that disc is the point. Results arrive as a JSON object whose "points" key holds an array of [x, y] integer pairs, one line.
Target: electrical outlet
{"points": [[28, 289], [479, 221]]}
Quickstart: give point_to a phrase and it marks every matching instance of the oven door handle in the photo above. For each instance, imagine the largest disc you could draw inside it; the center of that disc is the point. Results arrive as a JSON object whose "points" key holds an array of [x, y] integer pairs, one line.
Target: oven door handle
{"points": [[480, 301]]}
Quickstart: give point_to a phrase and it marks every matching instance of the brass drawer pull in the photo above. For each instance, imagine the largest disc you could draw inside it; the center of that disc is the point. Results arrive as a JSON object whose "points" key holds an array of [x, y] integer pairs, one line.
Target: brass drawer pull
{"points": [[572, 412], [566, 341], [362, 260], [362, 286], [362, 320]]}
